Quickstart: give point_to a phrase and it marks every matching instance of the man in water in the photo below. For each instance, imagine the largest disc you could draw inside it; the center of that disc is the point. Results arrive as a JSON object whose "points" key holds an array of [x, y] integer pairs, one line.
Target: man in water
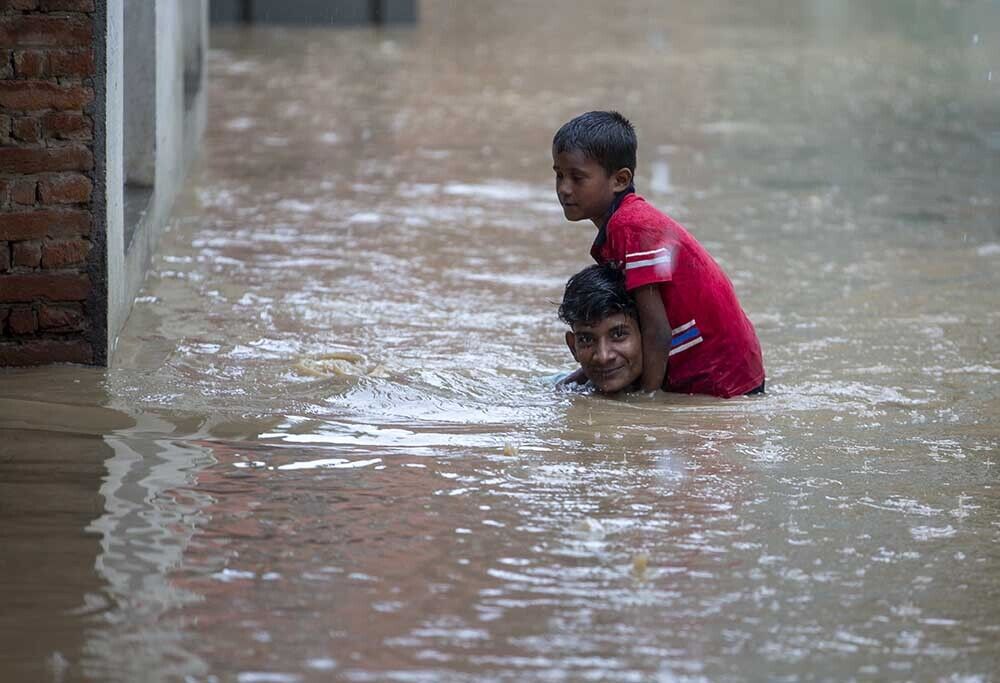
{"points": [[604, 335]]}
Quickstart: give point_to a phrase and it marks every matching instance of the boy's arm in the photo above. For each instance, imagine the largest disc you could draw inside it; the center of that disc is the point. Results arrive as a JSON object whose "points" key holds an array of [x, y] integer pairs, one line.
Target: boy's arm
{"points": [[655, 336]]}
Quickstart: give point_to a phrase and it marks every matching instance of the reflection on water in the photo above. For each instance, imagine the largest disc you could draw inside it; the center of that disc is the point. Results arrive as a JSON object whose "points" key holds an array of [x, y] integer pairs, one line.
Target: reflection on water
{"points": [[48, 495], [220, 507]]}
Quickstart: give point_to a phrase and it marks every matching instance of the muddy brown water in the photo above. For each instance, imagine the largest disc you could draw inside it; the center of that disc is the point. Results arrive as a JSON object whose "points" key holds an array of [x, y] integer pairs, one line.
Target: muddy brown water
{"points": [[205, 511]]}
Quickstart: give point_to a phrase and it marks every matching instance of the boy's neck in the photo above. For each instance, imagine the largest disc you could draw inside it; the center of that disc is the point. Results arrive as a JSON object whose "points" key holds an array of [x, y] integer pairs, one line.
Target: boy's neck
{"points": [[619, 198]]}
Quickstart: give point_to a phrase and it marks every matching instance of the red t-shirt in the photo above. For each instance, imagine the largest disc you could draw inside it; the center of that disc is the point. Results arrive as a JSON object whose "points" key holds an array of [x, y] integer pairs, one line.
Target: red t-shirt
{"points": [[714, 349]]}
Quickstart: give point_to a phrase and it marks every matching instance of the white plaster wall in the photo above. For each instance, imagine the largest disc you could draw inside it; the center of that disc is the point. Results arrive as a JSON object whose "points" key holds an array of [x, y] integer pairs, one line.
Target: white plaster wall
{"points": [[178, 132], [114, 178]]}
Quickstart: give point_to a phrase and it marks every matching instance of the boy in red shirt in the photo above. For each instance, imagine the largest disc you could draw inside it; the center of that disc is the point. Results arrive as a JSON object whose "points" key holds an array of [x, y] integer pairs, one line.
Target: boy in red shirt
{"points": [[696, 339]]}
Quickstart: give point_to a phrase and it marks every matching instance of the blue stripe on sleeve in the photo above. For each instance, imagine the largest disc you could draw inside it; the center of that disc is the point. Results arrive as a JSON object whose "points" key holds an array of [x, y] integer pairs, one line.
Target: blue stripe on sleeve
{"points": [[687, 335]]}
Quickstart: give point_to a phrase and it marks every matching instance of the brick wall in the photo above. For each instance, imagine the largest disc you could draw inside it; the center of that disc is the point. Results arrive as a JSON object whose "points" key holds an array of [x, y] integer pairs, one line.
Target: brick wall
{"points": [[46, 181]]}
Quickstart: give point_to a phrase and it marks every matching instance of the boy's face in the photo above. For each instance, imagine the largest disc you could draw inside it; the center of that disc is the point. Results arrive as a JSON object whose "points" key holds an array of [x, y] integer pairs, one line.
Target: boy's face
{"points": [[609, 351], [584, 188]]}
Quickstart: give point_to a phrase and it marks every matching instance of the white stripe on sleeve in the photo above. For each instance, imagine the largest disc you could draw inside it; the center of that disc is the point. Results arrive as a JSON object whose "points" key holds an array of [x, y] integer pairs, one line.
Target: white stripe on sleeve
{"points": [[685, 347], [686, 326], [647, 253], [648, 262]]}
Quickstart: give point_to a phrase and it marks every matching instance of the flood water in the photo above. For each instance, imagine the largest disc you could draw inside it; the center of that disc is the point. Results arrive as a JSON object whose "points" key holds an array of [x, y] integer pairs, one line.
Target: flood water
{"points": [[207, 510]]}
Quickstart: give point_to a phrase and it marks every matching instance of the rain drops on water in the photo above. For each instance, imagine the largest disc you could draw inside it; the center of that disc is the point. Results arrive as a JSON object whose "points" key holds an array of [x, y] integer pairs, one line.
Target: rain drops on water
{"points": [[589, 528]]}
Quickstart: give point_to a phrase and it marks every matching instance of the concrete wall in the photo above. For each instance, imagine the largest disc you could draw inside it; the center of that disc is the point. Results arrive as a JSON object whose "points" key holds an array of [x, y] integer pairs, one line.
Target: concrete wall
{"points": [[139, 99], [102, 105], [179, 125]]}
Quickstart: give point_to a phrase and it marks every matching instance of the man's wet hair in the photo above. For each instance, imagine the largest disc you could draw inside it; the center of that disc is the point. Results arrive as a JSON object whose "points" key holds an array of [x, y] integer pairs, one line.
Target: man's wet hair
{"points": [[606, 137], [595, 293]]}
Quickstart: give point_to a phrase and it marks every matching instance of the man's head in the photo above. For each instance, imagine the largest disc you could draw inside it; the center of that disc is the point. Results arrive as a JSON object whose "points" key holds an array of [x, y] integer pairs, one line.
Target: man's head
{"points": [[593, 157], [604, 336]]}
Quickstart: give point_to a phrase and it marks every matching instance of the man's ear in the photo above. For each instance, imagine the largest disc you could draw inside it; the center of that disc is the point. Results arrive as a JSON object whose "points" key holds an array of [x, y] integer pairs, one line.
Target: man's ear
{"points": [[571, 343], [622, 179]]}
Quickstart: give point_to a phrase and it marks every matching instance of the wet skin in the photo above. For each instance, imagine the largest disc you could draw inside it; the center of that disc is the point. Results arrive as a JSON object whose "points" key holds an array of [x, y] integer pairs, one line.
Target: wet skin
{"points": [[584, 188], [609, 351]]}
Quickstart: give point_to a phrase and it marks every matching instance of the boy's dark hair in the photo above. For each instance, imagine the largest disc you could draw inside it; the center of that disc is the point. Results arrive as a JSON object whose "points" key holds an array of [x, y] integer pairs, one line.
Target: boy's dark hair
{"points": [[606, 137], [595, 293]]}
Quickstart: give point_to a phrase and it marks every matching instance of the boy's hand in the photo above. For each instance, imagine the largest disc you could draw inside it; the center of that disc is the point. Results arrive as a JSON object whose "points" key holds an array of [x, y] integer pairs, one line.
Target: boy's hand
{"points": [[575, 377]]}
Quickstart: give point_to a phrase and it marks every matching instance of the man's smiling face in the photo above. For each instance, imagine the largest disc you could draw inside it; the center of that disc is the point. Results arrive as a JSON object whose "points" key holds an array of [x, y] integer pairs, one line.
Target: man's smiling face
{"points": [[609, 351]]}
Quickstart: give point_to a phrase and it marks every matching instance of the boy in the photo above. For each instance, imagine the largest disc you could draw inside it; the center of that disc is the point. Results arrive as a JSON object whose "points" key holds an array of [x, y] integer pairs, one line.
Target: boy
{"points": [[696, 339], [604, 335]]}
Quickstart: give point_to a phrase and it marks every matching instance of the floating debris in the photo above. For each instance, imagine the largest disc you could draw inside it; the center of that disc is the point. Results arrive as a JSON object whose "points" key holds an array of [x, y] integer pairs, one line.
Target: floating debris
{"points": [[340, 364], [639, 563]]}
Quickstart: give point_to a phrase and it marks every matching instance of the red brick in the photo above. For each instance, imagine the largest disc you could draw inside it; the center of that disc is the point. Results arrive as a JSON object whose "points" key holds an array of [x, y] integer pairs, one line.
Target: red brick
{"points": [[4, 257], [26, 129], [19, 4], [38, 95], [42, 351], [44, 285], [61, 318], [4, 191], [31, 63], [6, 64], [27, 254], [29, 160], [62, 253], [24, 192], [32, 30], [26, 225], [67, 125], [66, 5], [68, 188], [22, 320], [74, 63]]}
